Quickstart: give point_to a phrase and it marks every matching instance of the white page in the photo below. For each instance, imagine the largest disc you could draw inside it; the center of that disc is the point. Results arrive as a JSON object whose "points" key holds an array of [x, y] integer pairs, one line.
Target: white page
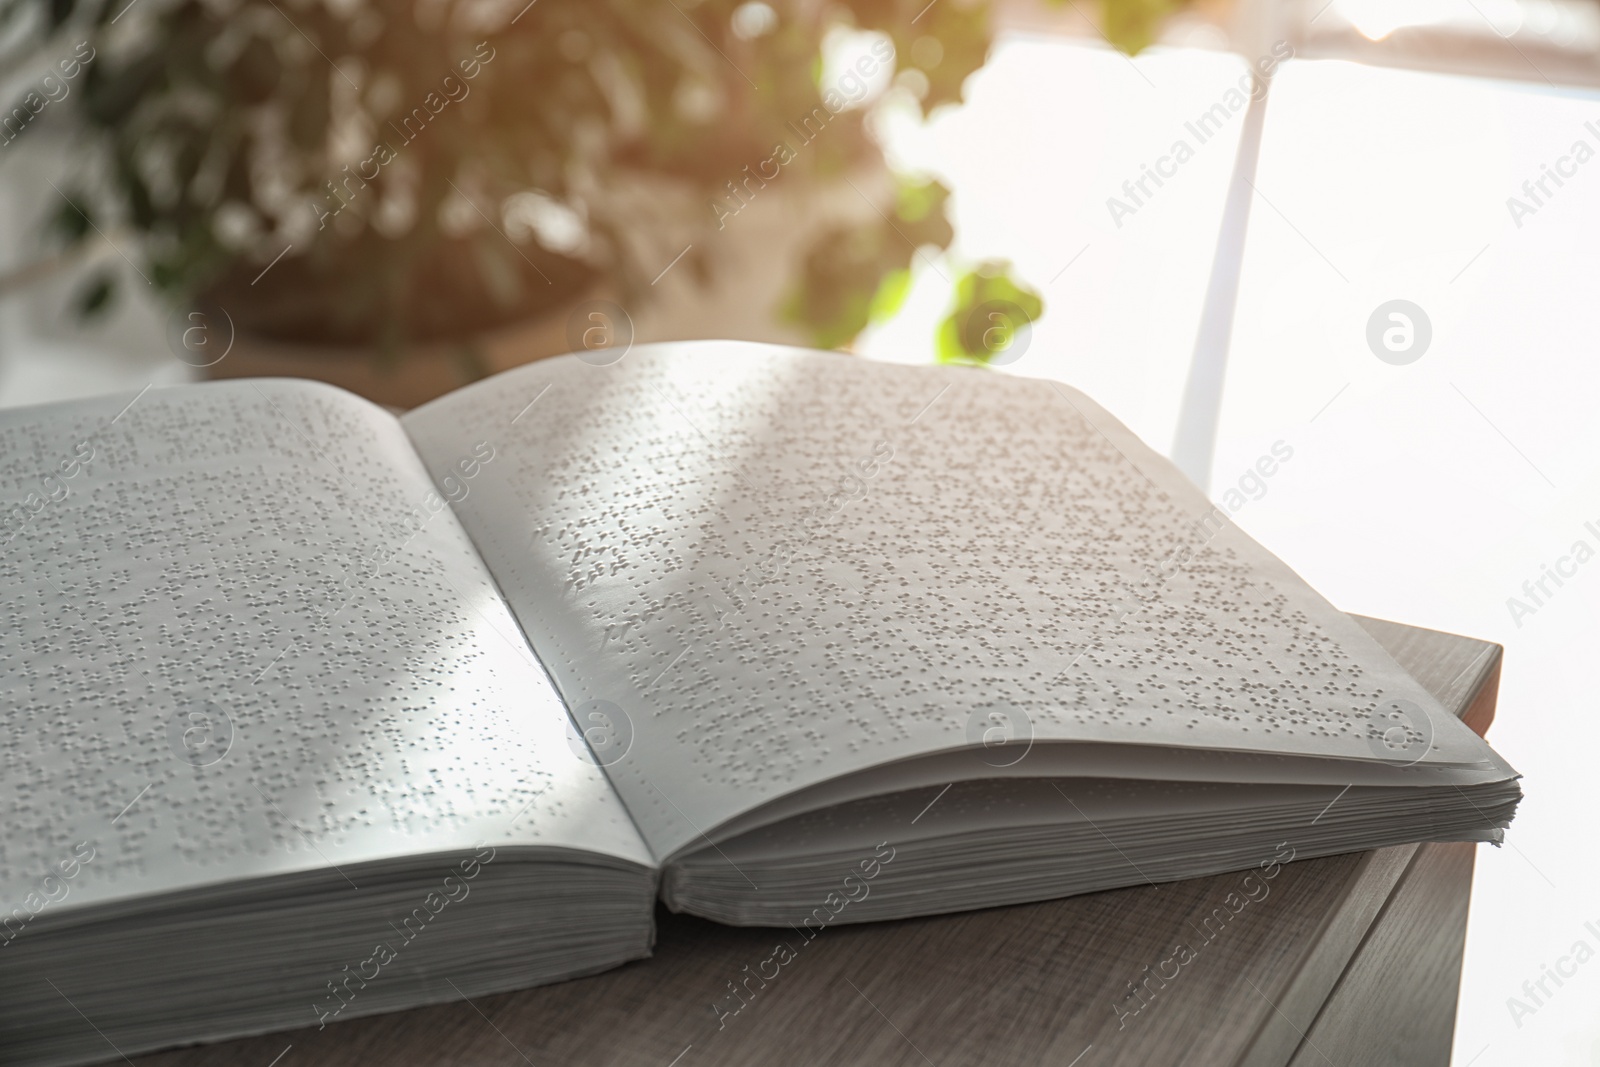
{"points": [[169, 695], [775, 567], [1149, 763]]}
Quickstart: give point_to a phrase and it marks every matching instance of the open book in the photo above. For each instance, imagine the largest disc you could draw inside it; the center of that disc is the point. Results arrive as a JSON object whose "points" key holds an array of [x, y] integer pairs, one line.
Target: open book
{"points": [[311, 711]]}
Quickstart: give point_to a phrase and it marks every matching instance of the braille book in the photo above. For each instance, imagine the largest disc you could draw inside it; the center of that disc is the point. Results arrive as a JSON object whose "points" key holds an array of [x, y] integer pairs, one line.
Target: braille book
{"points": [[311, 711]]}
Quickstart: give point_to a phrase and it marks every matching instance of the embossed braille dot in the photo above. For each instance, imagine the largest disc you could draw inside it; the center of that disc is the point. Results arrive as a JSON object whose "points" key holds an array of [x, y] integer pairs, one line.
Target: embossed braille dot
{"points": [[198, 627], [702, 533]]}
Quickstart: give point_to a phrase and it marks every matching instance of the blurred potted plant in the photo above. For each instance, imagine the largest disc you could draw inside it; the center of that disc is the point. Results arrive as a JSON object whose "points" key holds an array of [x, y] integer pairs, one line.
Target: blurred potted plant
{"points": [[380, 190]]}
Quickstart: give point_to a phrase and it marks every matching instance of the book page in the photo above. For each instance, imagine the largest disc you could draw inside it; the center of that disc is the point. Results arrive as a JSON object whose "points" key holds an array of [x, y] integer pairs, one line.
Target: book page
{"points": [[753, 569], [245, 637]]}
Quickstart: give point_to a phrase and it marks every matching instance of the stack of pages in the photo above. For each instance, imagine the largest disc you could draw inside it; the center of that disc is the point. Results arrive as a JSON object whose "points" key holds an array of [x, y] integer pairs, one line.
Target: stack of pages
{"points": [[312, 712]]}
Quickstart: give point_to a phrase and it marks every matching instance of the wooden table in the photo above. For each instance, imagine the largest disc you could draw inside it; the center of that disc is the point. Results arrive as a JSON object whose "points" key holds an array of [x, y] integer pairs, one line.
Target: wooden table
{"points": [[1349, 960]]}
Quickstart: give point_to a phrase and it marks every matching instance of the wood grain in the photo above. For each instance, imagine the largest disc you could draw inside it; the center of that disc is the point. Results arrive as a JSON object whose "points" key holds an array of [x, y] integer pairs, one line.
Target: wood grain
{"points": [[1395, 1004], [1032, 984]]}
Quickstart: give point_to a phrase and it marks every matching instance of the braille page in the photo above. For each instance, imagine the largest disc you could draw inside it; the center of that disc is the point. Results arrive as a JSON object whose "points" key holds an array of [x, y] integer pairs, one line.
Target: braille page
{"points": [[243, 636], [752, 569]]}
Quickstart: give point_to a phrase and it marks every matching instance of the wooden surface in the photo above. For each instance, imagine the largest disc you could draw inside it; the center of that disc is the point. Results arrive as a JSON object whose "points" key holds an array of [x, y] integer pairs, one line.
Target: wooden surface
{"points": [[1348, 960], [1394, 1006]]}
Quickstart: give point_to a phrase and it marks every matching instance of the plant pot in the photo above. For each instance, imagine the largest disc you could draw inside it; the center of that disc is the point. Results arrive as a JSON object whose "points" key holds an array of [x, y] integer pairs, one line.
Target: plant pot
{"points": [[718, 279], [413, 376]]}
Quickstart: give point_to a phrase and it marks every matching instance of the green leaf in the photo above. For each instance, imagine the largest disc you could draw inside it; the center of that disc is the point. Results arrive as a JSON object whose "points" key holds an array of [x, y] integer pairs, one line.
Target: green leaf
{"points": [[988, 313], [891, 295], [94, 298], [920, 213], [1132, 25], [69, 224]]}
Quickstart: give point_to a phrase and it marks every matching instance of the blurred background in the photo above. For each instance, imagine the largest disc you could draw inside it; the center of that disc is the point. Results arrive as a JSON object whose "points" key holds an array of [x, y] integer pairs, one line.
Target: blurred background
{"points": [[1207, 215]]}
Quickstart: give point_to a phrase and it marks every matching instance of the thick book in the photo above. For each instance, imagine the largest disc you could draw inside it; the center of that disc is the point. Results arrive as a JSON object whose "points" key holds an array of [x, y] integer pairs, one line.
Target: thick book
{"points": [[311, 711]]}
